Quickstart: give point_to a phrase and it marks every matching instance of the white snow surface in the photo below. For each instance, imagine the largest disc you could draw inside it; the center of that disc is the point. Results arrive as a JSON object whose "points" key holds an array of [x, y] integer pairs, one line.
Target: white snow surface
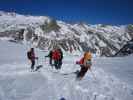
{"points": [[110, 78]]}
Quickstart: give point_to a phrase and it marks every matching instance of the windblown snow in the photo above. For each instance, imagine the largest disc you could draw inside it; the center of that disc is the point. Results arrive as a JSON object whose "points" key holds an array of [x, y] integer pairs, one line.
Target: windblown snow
{"points": [[109, 79]]}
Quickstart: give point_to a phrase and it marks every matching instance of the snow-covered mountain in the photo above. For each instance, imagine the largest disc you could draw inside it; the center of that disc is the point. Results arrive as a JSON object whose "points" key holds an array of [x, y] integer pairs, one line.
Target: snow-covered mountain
{"points": [[45, 32], [127, 49]]}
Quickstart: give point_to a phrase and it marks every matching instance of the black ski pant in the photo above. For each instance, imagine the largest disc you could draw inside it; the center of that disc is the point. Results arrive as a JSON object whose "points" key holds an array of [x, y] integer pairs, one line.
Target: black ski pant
{"points": [[56, 64], [82, 72], [32, 64], [50, 60], [60, 63]]}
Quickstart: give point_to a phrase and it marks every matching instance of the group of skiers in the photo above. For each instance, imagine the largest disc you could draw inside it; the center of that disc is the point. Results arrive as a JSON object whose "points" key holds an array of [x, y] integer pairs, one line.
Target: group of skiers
{"points": [[56, 56]]}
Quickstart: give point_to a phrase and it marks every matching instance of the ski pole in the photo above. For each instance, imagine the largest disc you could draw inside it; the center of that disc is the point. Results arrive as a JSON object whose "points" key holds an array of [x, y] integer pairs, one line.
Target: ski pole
{"points": [[93, 74], [37, 61], [45, 60]]}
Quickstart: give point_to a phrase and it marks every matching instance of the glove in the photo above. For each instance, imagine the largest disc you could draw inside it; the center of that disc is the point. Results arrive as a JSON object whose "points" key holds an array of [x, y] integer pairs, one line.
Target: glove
{"points": [[77, 62], [46, 56]]}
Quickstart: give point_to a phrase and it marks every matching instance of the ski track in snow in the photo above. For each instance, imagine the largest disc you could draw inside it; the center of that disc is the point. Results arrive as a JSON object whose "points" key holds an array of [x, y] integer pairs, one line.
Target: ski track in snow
{"points": [[18, 83]]}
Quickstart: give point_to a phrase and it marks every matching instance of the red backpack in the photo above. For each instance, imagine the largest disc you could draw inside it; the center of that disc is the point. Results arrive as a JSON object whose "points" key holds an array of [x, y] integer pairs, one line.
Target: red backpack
{"points": [[56, 55], [81, 61]]}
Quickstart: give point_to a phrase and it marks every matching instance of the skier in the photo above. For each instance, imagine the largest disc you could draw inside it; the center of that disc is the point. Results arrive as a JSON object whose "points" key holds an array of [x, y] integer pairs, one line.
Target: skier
{"points": [[85, 64], [31, 56], [50, 57], [56, 57], [61, 57]]}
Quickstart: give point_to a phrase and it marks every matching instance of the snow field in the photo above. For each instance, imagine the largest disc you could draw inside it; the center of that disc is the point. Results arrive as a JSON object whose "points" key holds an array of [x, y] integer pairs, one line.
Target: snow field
{"points": [[18, 83]]}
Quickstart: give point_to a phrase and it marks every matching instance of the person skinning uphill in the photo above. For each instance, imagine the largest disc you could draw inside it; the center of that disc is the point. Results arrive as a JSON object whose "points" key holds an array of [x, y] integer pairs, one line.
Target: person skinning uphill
{"points": [[56, 56], [61, 58], [50, 57], [85, 64], [31, 56]]}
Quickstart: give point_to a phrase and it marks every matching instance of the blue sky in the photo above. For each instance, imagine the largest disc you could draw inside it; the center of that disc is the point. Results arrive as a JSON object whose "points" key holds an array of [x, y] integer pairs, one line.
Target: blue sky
{"points": [[89, 11]]}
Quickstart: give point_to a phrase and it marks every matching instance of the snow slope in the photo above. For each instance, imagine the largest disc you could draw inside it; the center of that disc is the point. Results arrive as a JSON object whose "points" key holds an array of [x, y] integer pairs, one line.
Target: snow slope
{"points": [[110, 78]]}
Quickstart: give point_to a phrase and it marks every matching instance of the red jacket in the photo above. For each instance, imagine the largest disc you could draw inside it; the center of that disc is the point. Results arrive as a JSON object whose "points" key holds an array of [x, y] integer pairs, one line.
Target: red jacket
{"points": [[56, 55], [81, 61]]}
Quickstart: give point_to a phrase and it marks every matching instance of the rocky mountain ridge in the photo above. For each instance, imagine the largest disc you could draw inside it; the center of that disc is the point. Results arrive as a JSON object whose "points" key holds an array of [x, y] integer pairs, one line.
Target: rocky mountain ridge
{"points": [[45, 32]]}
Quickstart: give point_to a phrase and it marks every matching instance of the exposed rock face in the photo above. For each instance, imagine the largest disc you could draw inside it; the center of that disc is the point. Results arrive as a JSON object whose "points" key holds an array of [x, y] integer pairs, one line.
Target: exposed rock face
{"points": [[127, 49], [45, 32]]}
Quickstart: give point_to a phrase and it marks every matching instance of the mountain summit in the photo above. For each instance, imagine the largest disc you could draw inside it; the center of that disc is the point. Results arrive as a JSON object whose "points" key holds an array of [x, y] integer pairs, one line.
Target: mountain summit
{"points": [[45, 32]]}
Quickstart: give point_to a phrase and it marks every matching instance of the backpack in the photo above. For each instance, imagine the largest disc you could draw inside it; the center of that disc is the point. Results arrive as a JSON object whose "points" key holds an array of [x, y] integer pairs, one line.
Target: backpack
{"points": [[56, 55], [87, 59], [87, 56], [29, 55], [81, 61]]}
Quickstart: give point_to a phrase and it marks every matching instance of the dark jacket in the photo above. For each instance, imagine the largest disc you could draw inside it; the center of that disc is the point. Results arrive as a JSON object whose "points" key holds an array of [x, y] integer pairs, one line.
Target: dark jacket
{"points": [[50, 54], [31, 55], [61, 54]]}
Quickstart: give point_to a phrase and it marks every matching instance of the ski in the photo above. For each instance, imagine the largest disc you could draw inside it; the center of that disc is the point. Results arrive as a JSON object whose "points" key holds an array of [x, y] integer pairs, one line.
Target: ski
{"points": [[75, 72], [38, 67]]}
